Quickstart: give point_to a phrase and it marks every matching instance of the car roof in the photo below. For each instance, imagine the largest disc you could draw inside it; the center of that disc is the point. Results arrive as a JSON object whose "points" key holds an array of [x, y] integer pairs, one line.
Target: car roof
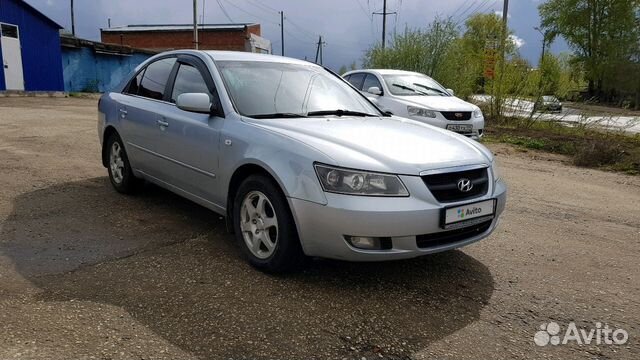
{"points": [[220, 55], [386, 72]]}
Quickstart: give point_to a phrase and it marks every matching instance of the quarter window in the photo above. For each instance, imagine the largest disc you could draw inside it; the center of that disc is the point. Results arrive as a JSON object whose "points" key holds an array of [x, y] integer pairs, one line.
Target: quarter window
{"points": [[155, 78], [189, 80]]}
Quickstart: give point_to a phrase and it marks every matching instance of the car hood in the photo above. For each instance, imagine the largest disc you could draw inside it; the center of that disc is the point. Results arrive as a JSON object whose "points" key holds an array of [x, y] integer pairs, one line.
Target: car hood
{"points": [[438, 103], [386, 144]]}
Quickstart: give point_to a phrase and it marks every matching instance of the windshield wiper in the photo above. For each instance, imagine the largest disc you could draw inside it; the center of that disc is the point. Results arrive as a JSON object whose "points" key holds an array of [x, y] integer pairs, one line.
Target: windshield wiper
{"points": [[277, 116], [430, 88], [338, 112], [410, 89]]}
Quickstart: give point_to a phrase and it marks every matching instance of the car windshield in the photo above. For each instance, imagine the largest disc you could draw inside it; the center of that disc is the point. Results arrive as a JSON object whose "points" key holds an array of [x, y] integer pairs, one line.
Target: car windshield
{"points": [[280, 90], [550, 99], [414, 84]]}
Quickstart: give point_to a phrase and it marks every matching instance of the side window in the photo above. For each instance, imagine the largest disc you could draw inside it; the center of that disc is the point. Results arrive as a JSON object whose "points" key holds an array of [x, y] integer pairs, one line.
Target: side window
{"points": [[356, 80], [155, 78], [134, 85], [370, 82], [189, 80]]}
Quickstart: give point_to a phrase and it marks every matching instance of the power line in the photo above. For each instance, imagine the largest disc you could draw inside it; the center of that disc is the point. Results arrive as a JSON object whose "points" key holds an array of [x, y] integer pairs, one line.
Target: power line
{"points": [[224, 11], [453, 14], [249, 13]]}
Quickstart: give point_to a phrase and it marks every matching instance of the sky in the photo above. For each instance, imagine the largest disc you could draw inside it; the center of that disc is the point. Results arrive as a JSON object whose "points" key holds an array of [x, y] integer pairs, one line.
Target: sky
{"points": [[347, 26]]}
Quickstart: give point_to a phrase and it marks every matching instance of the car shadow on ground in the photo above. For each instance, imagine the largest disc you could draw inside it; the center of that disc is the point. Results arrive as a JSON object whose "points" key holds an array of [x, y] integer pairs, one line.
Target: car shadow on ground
{"points": [[172, 266]]}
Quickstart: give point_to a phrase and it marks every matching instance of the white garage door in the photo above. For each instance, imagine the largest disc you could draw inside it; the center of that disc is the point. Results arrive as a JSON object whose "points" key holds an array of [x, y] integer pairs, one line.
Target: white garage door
{"points": [[11, 57]]}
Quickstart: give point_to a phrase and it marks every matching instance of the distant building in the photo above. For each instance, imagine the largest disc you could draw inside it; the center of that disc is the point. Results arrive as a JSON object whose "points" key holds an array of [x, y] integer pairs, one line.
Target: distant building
{"points": [[238, 37], [29, 49], [91, 66]]}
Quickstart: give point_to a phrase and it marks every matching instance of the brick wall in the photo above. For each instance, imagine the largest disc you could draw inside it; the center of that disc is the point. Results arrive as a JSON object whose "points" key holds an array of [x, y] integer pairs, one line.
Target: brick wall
{"points": [[163, 40]]}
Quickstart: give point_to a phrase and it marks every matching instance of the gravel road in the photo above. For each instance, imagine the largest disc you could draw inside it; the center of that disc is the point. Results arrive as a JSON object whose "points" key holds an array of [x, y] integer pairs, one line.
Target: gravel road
{"points": [[86, 273]]}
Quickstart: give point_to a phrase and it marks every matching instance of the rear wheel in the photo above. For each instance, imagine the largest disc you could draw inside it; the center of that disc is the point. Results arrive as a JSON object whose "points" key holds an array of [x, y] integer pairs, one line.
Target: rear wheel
{"points": [[264, 226], [120, 172]]}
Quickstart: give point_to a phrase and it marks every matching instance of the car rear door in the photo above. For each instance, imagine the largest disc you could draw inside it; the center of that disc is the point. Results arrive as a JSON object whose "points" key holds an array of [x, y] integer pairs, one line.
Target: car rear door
{"points": [[189, 145], [138, 109]]}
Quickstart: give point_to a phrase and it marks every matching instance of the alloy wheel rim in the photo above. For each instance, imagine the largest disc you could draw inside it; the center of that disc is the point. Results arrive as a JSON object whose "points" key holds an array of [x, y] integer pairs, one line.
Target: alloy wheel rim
{"points": [[259, 224], [116, 163]]}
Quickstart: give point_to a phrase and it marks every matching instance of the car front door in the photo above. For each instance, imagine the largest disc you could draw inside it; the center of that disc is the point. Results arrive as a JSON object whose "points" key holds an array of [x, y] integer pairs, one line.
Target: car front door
{"points": [[189, 141]]}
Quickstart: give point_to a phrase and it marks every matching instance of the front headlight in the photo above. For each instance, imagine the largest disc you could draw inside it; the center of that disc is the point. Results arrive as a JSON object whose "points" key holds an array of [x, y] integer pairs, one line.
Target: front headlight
{"points": [[357, 182], [416, 111], [477, 113]]}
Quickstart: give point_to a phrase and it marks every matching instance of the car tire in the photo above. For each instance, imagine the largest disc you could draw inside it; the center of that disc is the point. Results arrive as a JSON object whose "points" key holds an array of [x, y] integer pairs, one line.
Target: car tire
{"points": [[120, 173], [264, 226]]}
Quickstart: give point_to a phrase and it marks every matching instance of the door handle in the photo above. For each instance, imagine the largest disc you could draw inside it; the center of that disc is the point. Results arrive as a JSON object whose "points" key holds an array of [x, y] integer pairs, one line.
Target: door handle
{"points": [[123, 113], [163, 123]]}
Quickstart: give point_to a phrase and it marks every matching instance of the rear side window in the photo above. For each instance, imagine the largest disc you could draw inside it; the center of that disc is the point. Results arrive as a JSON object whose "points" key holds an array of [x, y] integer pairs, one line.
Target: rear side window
{"points": [[154, 80], [370, 82], [189, 80], [134, 85], [356, 80]]}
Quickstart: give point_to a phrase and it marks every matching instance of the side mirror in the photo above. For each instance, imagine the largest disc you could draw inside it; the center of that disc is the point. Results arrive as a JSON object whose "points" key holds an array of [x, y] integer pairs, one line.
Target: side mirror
{"points": [[374, 90], [450, 91], [194, 102]]}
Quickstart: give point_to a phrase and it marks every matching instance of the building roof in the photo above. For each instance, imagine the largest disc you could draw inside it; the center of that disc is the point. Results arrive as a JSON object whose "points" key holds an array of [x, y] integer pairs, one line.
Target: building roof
{"points": [[69, 41], [40, 14], [178, 27]]}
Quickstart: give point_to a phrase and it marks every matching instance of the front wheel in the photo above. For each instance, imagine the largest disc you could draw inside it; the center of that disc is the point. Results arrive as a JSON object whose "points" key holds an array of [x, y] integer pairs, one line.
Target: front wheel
{"points": [[264, 226]]}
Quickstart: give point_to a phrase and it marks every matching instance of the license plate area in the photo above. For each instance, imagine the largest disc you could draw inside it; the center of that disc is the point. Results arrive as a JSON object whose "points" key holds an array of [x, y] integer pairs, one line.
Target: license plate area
{"points": [[464, 128], [455, 217]]}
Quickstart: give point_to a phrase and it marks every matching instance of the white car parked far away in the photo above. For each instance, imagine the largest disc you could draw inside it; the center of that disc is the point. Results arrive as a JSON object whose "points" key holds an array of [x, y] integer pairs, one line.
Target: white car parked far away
{"points": [[416, 96]]}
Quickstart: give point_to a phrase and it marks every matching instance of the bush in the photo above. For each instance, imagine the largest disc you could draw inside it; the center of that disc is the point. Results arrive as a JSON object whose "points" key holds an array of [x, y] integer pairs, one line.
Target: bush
{"points": [[598, 152]]}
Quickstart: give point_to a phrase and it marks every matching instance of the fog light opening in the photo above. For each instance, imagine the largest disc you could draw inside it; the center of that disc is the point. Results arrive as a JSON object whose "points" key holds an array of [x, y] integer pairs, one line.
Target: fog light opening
{"points": [[369, 242]]}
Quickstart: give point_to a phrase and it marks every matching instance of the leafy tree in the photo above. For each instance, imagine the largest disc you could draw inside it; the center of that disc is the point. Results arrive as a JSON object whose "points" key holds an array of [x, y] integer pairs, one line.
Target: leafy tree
{"points": [[603, 34], [343, 69]]}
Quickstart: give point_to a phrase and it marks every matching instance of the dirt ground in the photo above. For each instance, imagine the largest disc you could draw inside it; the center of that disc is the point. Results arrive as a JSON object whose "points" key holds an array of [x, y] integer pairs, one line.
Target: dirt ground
{"points": [[86, 273]]}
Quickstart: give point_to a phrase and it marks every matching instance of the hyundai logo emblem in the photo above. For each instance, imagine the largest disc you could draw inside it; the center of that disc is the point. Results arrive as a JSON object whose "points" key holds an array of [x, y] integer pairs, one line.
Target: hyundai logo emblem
{"points": [[458, 115], [465, 185]]}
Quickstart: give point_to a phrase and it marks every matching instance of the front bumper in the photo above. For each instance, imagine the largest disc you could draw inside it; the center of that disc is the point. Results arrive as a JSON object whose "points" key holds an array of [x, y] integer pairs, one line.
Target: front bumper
{"points": [[439, 121], [322, 228]]}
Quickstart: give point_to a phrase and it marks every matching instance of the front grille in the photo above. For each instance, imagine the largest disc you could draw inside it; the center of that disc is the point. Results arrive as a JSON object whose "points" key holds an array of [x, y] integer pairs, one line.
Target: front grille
{"points": [[451, 236], [456, 115], [444, 187]]}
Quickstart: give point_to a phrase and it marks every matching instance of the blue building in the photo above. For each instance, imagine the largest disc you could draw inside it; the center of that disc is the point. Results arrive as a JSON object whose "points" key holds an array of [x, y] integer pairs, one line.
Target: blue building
{"points": [[29, 49], [91, 66]]}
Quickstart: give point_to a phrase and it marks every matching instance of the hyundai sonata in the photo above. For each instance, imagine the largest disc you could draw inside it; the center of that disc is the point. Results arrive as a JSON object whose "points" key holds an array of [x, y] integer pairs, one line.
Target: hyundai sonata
{"points": [[298, 161]]}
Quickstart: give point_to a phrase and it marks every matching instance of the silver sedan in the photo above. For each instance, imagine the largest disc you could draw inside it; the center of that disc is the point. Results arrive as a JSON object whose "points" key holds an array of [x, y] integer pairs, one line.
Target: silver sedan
{"points": [[297, 160]]}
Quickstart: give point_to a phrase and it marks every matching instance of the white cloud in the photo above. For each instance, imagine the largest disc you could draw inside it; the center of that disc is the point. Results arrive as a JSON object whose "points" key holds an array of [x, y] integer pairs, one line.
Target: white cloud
{"points": [[499, 13], [518, 42]]}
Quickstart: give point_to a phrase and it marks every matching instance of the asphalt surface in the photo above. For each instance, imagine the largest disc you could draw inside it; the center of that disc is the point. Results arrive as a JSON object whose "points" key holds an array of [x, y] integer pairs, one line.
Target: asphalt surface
{"points": [[87, 273]]}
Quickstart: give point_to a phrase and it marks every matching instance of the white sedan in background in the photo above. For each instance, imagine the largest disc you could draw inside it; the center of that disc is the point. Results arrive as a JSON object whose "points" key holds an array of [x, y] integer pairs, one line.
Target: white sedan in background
{"points": [[416, 96]]}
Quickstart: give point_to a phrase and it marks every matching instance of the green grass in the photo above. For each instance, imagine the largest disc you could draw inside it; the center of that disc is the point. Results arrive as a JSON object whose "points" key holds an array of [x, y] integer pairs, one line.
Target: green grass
{"points": [[586, 147]]}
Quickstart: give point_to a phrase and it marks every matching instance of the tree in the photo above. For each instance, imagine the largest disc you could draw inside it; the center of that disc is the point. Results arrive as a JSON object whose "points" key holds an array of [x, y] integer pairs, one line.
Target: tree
{"points": [[343, 69], [602, 33]]}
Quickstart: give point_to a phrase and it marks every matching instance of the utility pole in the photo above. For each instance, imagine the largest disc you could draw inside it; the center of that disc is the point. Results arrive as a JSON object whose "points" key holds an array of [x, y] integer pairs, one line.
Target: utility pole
{"points": [[282, 32], [109, 23], [195, 24], [73, 21], [319, 50], [384, 14], [496, 105]]}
